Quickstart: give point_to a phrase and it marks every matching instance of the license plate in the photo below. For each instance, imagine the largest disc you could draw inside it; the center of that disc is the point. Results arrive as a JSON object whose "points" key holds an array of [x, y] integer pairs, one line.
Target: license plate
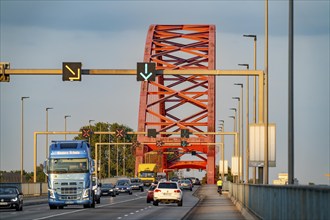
{"points": [[69, 202], [3, 203], [166, 194]]}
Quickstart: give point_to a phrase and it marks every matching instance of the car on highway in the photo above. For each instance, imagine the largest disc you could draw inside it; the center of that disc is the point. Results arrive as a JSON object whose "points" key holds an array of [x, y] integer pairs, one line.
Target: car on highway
{"points": [[137, 184], [175, 179], [150, 193], [124, 186], [11, 198], [194, 180], [185, 184], [168, 192], [108, 189]]}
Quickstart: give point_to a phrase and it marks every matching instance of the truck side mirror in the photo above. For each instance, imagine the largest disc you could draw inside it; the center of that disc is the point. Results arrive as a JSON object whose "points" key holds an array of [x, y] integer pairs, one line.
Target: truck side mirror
{"points": [[45, 168]]}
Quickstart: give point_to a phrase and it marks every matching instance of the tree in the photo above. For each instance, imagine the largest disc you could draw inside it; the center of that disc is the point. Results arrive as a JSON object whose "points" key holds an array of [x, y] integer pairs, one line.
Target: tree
{"points": [[125, 153]]}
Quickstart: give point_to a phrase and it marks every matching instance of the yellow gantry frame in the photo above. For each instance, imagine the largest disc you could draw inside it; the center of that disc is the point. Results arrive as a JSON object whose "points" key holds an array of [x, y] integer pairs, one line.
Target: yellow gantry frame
{"points": [[259, 73], [111, 132]]}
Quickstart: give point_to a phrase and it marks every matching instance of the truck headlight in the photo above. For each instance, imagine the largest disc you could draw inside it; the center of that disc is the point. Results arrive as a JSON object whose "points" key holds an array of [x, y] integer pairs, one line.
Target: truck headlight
{"points": [[86, 193], [51, 193]]}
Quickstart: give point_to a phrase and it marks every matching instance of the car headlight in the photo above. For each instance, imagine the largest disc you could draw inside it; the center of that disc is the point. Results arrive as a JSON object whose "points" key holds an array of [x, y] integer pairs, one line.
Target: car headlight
{"points": [[86, 193], [51, 193], [14, 199]]}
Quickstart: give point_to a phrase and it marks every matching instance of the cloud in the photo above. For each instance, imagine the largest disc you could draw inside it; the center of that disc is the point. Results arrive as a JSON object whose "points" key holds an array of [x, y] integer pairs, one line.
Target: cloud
{"points": [[113, 16]]}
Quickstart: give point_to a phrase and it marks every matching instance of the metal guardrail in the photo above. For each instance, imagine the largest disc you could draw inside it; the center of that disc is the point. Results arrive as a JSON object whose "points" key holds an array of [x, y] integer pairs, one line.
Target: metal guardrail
{"points": [[30, 189], [283, 202]]}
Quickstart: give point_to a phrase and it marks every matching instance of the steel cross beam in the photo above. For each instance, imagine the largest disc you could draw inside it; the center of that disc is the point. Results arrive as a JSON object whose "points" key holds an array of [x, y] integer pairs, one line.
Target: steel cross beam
{"points": [[259, 73], [36, 133]]}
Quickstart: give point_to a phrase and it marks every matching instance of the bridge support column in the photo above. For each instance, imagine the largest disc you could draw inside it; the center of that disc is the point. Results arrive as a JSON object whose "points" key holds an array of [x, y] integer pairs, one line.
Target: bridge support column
{"points": [[138, 159], [210, 164]]}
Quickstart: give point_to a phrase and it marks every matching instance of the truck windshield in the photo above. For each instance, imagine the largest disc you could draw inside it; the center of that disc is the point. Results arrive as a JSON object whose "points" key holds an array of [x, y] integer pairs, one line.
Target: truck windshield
{"points": [[68, 165], [147, 174]]}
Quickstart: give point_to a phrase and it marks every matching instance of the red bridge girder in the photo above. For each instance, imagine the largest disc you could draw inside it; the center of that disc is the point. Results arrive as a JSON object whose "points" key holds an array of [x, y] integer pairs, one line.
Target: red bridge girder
{"points": [[189, 164], [175, 102]]}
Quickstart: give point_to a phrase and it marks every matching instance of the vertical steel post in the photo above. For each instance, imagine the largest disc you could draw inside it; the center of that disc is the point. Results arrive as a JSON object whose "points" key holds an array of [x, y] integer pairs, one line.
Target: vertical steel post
{"points": [[22, 137], [266, 168], [290, 100]]}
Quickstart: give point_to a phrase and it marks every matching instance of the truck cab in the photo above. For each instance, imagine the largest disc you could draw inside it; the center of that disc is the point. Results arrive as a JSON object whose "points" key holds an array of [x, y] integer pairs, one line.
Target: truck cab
{"points": [[69, 169]]}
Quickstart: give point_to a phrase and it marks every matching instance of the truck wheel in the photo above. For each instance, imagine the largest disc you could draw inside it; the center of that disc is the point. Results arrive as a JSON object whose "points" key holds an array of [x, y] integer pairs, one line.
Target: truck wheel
{"points": [[155, 203]]}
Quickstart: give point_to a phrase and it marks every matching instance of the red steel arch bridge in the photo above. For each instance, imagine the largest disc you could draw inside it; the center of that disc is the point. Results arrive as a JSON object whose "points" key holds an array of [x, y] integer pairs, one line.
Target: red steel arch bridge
{"points": [[175, 102]]}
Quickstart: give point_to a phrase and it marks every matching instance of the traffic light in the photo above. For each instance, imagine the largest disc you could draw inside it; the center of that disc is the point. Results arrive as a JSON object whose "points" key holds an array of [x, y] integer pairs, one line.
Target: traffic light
{"points": [[86, 133], [185, 133], [71, 71], [184, 143], [152, 133], [146, 72]]}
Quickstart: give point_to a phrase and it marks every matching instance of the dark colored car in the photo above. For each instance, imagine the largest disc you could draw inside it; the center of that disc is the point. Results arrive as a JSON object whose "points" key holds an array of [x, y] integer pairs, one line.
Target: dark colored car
{"points": [[150, 193], [108, 189], [124, 186], [137, 184], [11, 198], [197, 182]]}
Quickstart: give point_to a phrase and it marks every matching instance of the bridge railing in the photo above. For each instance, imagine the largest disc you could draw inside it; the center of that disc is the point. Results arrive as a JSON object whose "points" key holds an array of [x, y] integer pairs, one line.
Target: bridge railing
{"points": [[282, 202], [30, 189]]}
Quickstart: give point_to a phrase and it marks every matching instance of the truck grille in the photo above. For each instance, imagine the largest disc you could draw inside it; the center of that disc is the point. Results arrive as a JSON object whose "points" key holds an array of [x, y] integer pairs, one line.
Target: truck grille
{"points": [[69, 190]]}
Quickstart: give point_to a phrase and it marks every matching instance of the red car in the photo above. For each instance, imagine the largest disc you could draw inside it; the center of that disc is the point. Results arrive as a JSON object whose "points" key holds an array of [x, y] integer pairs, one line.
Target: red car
{"points": [[150, 193]]}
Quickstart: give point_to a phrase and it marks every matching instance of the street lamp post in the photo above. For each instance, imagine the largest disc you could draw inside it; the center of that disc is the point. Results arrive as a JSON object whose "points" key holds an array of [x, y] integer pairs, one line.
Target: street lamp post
{"points": [[223, 150], [235, 130], [239, 134], [47, 131], [247, 147], [254, 91], [22, 137], [66, 116]]}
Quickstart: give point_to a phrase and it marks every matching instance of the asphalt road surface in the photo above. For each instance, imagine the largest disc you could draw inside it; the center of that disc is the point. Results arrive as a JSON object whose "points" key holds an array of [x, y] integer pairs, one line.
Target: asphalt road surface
{"points": [[121, 207]]}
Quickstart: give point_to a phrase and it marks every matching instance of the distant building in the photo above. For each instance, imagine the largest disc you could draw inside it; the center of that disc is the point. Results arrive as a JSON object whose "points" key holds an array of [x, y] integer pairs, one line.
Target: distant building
{"points": [[283, 180]]}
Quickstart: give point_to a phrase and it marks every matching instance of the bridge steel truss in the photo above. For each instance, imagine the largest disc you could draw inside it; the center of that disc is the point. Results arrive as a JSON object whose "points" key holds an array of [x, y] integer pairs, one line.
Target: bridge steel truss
{"points": [[175, 102]]}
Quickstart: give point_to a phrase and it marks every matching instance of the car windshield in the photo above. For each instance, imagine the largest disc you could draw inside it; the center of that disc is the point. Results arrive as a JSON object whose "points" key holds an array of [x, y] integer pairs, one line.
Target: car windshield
{"points": [[68, 165], [107, 186], [168, 185], [135, 181], [122, 183], [152, 187], [147, 174], [7, 190]]}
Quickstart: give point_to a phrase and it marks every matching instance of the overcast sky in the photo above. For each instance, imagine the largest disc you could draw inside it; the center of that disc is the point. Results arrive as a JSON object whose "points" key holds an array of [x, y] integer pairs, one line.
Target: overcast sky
{"points": [[112, 34]]}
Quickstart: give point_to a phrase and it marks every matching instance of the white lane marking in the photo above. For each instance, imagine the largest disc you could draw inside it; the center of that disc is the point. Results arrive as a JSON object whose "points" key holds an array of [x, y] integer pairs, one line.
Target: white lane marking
{"points": [[80, 210], [51, 216], [132, 213]]}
